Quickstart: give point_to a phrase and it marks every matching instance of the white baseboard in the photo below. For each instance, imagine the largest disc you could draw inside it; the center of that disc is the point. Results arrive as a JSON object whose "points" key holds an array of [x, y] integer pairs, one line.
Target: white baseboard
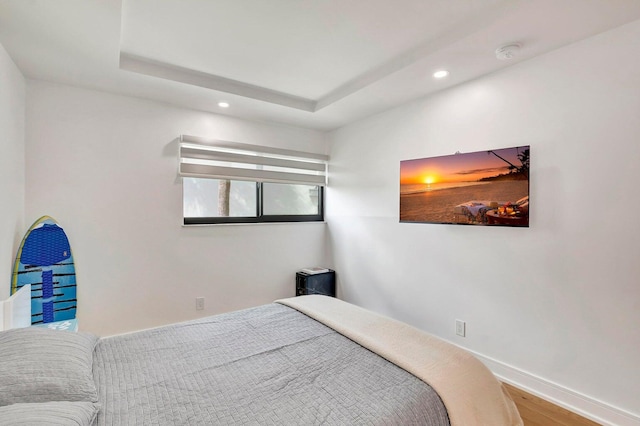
{"points": [[584, 405]]}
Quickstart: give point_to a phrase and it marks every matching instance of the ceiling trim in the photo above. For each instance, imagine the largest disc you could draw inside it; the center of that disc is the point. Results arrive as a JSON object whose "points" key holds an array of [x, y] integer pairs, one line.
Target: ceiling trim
{"points": [[460, 31], [167, 71]]}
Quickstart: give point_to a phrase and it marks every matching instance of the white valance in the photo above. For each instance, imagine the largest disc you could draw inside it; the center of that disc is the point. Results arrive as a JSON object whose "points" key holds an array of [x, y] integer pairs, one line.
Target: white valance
{"points": [[216, 159]]}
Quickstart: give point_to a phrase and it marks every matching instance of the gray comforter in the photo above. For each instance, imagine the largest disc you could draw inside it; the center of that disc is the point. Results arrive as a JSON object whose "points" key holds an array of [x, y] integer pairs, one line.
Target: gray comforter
{"points": [[269, 365]]}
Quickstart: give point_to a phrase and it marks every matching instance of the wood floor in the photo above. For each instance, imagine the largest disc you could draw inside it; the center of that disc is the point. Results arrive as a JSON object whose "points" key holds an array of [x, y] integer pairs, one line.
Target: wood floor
{"points": [[536, 411]]}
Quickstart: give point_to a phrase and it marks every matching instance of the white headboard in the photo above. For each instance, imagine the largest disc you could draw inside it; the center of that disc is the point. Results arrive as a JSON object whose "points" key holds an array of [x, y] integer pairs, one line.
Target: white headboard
{"points": [[17, 309]]}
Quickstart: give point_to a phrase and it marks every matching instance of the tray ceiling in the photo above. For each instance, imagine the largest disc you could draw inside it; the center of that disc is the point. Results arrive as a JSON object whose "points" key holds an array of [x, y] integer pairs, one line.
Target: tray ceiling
{"points": [[316, 64]]}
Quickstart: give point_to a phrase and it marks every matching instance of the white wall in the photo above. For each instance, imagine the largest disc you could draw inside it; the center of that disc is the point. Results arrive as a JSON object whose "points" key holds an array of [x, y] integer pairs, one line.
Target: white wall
{"points": [[105, 167], [12, 164], [559, 301]]}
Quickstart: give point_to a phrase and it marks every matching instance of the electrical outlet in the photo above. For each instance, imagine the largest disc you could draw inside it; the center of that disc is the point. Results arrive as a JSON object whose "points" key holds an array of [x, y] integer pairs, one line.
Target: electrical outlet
{"points": [[199, 303], [461, 328]]}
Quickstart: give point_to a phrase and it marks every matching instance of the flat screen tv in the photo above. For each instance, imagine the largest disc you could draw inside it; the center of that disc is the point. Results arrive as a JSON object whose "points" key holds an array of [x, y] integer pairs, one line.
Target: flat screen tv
{"points": [[486, 188]]}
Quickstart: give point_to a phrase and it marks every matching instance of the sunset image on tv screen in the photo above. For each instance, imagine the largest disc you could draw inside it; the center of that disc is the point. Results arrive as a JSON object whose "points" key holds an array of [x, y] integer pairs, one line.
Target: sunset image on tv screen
{"points": [[478, 188]]}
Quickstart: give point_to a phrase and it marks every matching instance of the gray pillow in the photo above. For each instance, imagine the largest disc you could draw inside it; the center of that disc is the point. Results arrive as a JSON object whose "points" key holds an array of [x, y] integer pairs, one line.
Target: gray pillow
{"points": [[41, 365], [57, 413]]}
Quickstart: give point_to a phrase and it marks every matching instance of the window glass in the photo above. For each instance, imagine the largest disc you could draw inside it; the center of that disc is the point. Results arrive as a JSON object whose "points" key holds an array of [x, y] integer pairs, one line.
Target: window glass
{"points": [[218, 198], [290, 199], [209, 201]]}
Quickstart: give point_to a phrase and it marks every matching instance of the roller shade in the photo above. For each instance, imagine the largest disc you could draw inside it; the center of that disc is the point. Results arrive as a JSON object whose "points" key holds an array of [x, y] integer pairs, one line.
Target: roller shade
{"points": [[215, 159]]}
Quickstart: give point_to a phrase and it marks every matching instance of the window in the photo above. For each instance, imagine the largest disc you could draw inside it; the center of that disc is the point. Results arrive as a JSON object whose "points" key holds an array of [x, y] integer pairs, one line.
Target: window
{"points": [[226, 182]]}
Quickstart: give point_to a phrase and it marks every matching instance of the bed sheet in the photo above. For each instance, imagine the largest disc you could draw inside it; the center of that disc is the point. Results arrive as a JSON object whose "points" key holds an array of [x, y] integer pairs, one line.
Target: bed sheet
{"points": [[269, 365]]}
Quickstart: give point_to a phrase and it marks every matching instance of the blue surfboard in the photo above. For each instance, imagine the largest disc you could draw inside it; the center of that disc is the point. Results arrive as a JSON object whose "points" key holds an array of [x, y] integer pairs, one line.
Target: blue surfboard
{"points": [[45, 261]]}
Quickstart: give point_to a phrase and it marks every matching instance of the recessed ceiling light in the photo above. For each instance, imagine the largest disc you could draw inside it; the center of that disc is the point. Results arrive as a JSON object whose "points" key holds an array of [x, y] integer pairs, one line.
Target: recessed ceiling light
{"points": [[223, 104], [440, 74]]}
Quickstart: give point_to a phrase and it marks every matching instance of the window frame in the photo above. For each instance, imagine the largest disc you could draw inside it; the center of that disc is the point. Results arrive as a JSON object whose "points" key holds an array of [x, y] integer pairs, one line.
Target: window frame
{"points": [[260, 217]]}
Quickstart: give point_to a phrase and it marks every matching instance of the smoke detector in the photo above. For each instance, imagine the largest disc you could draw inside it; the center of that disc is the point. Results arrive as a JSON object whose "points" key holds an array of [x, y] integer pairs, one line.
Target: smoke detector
{"points": [[508, 51]]}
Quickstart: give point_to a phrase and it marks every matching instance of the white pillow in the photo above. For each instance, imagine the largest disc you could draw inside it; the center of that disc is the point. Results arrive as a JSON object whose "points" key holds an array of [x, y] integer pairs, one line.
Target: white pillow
{"points": [[41, 365], [59, 413]]}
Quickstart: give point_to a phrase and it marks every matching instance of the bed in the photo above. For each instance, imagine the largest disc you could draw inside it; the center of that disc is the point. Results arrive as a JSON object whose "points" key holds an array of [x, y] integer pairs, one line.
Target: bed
{"points": [[307, 360]]}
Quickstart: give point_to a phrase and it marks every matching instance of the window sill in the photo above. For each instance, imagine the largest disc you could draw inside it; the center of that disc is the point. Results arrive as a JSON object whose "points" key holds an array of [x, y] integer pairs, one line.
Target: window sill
{"points": [[200, 225]]}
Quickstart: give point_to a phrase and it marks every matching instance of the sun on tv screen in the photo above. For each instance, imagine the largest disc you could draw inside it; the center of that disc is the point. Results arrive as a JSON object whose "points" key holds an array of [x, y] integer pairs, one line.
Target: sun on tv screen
{"points": [[489, 188]]}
